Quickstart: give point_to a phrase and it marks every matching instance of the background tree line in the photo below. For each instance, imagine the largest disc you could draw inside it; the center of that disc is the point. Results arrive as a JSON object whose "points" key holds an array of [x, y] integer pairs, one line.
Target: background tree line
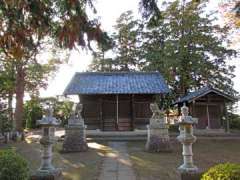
{"points": [[182, 41], [28, 28], [178, 39]]}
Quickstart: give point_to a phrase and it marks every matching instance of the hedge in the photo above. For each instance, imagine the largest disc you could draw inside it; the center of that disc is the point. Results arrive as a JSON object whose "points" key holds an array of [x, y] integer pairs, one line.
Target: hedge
{"points": [[13, 166], [227, 171]]}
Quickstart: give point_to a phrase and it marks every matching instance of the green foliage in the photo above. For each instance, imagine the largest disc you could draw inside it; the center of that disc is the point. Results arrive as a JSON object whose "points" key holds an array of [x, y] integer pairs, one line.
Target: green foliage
{"points": [[187, 47], [62, 111], [100, 62], [7, 78], [32, 112], [13, 166], [174, 128], [37, 75], [225, 171], [67, 22], [149, 9], [234, 121], [5, 125], [182, 42], [39, 26], [125, 44]]}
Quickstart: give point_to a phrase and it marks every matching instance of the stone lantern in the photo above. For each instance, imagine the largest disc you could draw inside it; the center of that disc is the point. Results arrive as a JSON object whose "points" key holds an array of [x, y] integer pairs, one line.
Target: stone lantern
{"points": [[158, 138], [47, 170], [187, 138]]}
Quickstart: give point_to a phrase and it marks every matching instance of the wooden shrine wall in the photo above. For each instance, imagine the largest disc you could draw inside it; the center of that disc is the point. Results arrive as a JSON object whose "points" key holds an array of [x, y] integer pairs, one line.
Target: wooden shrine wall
{"points": [[100, 111], [216, 105]]}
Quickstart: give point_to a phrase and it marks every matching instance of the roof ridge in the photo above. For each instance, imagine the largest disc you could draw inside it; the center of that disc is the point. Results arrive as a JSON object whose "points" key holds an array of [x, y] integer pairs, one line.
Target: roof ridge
{"points": [[199, 90], [122, 72]]}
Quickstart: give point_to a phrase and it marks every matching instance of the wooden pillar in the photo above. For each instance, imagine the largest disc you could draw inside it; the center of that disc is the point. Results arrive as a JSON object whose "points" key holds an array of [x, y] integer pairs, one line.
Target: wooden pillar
{"points": [[179, 108], [222, 115], [132, 112], [83, 110], [117, 112], [208, 118], [193, 108], [162, 101], [101, 113]]}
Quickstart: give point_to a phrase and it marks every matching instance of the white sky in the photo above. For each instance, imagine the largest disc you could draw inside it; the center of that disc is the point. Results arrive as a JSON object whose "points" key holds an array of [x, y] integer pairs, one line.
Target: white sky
{"points": [[109, 11]]}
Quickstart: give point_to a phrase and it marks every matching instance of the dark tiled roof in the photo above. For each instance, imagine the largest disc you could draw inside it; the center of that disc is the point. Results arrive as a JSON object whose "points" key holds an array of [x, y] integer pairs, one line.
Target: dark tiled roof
{"points": [[201, 92], [117, 83]]}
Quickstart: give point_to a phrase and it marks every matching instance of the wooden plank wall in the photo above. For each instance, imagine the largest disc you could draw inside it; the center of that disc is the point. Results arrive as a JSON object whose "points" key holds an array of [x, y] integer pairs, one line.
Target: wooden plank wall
{"points": [[99, 111], [215, 104]]}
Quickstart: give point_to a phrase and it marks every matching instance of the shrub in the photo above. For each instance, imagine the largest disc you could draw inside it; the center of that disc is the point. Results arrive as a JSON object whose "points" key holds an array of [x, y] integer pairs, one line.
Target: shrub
{"points": [[32, 113], [234, 120], [63, 111], [13, 166], [174, 128], [5, 125], [227, 171]]}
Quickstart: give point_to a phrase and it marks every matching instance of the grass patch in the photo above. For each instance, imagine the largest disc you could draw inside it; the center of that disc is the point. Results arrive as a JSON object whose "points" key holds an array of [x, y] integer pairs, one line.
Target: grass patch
{"points": [[75, 166], [147, 166], [152, 166]]}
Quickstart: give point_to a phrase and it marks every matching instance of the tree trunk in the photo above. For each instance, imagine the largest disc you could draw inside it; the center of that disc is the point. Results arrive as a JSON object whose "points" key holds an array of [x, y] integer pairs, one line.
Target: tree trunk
{"points": [[20, 84], [10, 108]]}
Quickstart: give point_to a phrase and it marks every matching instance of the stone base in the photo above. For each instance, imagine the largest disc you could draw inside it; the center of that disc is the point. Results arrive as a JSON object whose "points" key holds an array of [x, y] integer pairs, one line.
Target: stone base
{"points": [[47, 175], [189, 169], [191, 175], [74, 147], [74, 140], [158, 144]]}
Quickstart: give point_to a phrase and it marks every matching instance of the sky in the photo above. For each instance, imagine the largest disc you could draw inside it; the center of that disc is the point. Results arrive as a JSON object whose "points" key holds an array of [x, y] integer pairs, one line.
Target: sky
{"points": [[108, 11]]}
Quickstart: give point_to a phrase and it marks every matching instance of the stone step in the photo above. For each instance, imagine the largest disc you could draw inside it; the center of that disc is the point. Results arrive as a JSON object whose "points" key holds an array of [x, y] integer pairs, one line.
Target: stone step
{"points": [[114, 138]]}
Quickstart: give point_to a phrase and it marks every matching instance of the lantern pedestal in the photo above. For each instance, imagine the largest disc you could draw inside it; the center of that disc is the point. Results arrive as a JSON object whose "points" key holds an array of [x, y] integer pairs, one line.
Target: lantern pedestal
{"points": [[47, 171], [186, 137], [55, 174]]}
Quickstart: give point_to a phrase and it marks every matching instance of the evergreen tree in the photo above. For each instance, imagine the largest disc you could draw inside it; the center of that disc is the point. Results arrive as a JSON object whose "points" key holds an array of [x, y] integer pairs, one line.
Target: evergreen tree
{"points": [[26, 25], [100, 62], [124, 45], [188, 49], [127, 42]]}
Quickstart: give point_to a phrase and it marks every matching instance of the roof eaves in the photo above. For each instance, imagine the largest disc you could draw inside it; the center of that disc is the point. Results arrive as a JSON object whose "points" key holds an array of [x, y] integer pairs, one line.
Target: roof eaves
{"points": [[191, 99]]}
